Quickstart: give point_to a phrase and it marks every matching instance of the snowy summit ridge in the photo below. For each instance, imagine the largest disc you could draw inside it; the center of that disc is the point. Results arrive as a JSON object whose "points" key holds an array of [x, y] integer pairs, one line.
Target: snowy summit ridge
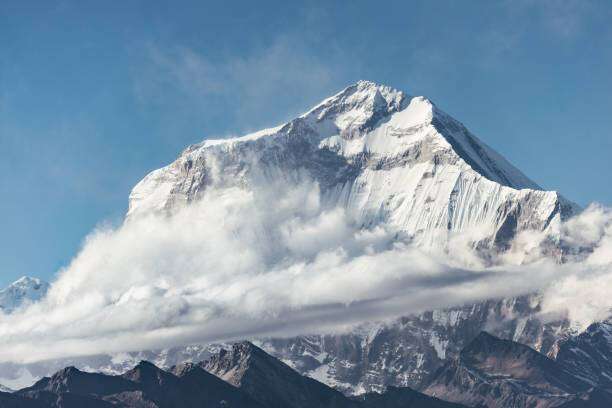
{"points": [[383, 155]]}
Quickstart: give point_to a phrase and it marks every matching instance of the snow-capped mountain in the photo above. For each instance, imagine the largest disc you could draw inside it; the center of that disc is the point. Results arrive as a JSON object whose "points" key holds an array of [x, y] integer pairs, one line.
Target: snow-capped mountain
{"points": [[22, 291], [387, 158], [393, 159], [384, 156]]}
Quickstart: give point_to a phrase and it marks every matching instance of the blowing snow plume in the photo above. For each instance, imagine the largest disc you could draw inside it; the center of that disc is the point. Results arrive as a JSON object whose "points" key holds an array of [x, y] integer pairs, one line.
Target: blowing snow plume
{"points": [[371, 205]]}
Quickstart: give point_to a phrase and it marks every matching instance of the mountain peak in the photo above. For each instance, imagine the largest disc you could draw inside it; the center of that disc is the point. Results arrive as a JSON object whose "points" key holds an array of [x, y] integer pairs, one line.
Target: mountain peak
{"points": [[246, 348], [144, 386], [365, 105], [234, 364], [24, 280], [71, 379], [375, 90], [24, 290], [359, 106], [67, 371], [269, 380], [149, 375], [366, 83], [370, 88]]}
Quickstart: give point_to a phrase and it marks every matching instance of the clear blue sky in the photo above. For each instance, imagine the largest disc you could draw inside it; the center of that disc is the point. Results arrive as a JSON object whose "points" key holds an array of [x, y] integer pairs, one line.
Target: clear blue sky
{"points": [[95, 94]]}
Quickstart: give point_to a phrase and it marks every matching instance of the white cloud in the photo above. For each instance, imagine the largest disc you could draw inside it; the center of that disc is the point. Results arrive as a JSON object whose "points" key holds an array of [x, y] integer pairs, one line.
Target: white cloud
{"points": [[276, 261]]}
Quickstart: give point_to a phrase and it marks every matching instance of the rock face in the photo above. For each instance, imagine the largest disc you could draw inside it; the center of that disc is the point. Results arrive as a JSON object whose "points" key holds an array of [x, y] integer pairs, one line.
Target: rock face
{"points": [[388, 159], [72, 380], [589, 354], [394, 160], [270, 381], [502, 373], [382, 155]]}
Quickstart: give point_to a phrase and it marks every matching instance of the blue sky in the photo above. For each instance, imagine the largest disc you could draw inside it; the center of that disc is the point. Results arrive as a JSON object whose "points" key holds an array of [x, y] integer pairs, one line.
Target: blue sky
{"points": [[94, 95]]}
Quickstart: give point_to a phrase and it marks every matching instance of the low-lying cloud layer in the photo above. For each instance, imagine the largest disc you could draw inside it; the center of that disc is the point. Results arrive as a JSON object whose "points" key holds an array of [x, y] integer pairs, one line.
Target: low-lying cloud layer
{"points": [[276, 261]]}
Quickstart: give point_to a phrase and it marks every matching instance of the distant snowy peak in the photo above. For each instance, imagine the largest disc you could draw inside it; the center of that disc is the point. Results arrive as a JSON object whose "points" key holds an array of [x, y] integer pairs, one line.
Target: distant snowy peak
{"points": [[384, 156], [22, 291]]}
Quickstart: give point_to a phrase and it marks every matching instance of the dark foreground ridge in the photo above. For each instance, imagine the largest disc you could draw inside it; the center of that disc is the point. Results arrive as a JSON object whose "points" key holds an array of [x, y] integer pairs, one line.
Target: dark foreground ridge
{"points": [[243, 377], [489, 372]]}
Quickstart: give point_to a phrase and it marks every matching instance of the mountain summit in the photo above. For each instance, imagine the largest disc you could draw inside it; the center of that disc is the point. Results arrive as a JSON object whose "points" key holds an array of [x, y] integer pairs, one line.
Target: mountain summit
{"points": [[385, 157], [270, 381], [24, 290]]}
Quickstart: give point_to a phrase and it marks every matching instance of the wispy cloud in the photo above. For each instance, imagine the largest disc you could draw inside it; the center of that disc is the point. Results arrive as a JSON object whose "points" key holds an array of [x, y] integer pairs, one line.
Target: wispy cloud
{"points": [[270, 83], [565, 19]]}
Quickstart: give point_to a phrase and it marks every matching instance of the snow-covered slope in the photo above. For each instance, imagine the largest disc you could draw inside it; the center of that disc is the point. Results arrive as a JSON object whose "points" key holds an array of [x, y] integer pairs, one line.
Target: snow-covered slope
{"points": [[384, 156], [393, 159], [23, 290]]}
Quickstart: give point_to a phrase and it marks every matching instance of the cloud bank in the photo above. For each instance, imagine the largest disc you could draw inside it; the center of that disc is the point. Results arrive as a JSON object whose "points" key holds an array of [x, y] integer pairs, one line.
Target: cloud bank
{"points": [[276, 261]]}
